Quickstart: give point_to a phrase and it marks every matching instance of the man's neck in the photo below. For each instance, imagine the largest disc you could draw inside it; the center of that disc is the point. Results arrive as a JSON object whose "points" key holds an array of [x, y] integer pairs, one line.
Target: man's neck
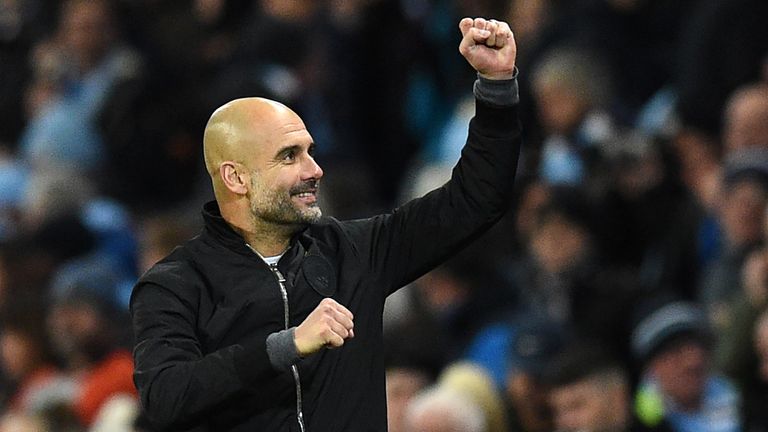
{"points": [[268, 240]]}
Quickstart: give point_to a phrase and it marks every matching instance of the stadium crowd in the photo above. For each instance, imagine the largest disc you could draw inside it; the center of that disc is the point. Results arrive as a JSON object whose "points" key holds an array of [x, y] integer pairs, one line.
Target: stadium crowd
{"points": [[626, 291]]}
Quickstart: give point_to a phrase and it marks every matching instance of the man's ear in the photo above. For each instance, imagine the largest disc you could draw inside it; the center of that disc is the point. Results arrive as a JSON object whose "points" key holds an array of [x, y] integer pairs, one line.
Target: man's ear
{"points": [[233, 177]]}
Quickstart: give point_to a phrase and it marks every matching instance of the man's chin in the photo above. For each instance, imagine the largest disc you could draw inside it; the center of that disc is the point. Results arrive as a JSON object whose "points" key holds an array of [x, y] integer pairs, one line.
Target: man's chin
{"points": [[312, 217], [312, 213], [305, 218]]}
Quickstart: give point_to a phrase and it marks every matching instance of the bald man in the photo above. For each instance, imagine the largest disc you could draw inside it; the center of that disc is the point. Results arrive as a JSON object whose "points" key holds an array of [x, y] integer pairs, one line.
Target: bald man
{"points": [[271, 318]]}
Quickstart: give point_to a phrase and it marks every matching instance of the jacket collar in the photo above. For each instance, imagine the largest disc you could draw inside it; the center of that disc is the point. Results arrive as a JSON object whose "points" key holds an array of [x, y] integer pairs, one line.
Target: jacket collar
{"points": [[220, 231]]}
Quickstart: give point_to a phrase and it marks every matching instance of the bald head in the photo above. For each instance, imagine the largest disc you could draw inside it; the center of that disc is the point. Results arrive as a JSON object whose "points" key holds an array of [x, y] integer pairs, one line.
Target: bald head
{"points": [[241, 128], [260, 158]]}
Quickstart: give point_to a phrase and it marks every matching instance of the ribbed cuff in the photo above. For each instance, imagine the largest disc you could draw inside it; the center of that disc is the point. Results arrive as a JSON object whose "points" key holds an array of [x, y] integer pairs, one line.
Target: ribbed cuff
{"points": [[281, 349], [500, 93]]}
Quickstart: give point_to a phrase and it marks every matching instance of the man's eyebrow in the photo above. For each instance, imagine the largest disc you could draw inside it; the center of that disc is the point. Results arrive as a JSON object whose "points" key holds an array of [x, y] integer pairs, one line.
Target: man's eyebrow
{"points": [[293, 148], [287, 149]]}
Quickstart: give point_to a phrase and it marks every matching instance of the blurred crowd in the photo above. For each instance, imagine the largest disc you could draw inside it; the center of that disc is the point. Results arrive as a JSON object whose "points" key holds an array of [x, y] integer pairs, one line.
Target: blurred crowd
{"points": [[626, 291]]}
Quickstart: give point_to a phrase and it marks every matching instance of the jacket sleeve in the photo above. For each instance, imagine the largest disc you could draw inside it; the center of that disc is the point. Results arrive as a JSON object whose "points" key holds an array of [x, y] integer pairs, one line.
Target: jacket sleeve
{"points": [[177, 384], [397, 248]]}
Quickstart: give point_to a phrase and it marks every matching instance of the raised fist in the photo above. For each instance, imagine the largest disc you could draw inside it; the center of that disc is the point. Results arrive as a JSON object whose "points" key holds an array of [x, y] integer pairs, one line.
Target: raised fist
{"points": [[489, 46]]}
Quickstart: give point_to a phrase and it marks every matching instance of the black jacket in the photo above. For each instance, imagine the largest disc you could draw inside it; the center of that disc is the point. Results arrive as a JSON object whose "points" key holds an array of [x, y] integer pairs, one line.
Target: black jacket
{"points": [[202, 315]]}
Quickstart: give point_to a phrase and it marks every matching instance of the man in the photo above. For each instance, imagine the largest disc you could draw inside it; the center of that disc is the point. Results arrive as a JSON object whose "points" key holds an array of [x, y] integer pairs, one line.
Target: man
{"points": [[443, 409], [591, 392], [84, 324], [678, 385], [234, 328]]}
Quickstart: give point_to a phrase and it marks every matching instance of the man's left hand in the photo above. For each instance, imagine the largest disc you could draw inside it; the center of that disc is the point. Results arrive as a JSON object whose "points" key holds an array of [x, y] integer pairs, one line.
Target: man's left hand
{"points": [[489, 46]]}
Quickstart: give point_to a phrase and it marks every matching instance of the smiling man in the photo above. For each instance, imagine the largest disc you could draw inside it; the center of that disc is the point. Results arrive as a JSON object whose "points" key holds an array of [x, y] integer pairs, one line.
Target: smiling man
{"points": [[271, 318]]}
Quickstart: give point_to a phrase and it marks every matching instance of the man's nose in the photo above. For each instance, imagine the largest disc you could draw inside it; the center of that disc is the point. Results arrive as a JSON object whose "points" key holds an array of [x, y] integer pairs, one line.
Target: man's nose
{"points": [[312, 169]]}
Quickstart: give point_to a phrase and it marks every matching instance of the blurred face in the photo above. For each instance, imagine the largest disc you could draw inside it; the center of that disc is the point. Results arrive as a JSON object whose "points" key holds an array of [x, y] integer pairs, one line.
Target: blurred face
{"points": [[558, 245], [746, 122], [402, 385], [589, 406], [74, 328], [86, 30], [285, 177], [17, 353], [742, 213], [560, 108], [529, 18], [681, 372]]}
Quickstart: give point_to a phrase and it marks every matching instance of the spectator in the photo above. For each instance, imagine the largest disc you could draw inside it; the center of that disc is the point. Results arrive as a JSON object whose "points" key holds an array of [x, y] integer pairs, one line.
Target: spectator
{"points": [[84, 324], [563, 277], [74, 79], [403, 383], [673, 345], [650, 217], [533, 344], [473, 381], [591, 392], [442, 409], [746, 118], [572, 92], [26, 359], [740, 217]]}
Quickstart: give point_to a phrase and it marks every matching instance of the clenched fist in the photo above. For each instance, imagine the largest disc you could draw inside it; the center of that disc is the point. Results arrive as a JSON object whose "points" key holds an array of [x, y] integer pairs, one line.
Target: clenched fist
{"points": [[489, 46], [328, 326]]}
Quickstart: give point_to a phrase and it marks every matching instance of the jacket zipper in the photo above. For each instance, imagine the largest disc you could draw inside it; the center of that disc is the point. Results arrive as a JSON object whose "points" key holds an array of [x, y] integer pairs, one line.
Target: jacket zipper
{"points": [[286, 319], [294, 368]]}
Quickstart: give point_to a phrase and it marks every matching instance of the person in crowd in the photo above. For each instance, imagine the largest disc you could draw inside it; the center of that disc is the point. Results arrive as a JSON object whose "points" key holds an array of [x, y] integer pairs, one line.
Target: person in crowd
{"points": [[572, 92], [441, 409], [403, 383], [746, 118], [590, 391], [514, 354], [76, 73], [25, 359], [475, 382], [85, 326], [564, 276], [673, 342], [741, 218]]}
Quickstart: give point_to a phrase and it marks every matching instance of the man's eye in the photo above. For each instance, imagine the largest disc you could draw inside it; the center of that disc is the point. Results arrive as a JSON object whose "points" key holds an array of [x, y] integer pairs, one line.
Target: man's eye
{"points": [[289, 156]]}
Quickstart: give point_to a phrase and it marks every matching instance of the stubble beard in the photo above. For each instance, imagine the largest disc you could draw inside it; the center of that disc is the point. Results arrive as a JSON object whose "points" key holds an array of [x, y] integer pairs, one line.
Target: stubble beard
{"points": [[276, 207]]}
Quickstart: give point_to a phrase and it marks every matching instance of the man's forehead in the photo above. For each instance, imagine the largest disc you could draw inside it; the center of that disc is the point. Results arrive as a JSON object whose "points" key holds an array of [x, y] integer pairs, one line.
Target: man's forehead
{"points": [[291, 126]]}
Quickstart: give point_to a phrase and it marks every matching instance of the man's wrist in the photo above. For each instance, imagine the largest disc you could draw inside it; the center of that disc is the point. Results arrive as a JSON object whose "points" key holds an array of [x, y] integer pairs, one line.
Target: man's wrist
{"points": [[282, 350], [500, 76], [498, 92]]}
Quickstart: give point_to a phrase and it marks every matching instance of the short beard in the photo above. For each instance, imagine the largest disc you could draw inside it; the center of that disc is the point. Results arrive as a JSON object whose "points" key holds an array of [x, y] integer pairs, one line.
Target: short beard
{"points": [[276, 207]]}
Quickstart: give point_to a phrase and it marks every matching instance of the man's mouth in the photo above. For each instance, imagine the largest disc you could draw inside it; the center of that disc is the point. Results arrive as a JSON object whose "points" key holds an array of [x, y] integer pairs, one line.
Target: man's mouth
{"points": [[307, 195]]}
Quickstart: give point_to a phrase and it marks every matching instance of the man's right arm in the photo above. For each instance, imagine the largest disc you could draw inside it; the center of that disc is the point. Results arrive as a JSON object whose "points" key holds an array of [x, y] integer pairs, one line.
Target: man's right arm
{"points": [[177, 383]]}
